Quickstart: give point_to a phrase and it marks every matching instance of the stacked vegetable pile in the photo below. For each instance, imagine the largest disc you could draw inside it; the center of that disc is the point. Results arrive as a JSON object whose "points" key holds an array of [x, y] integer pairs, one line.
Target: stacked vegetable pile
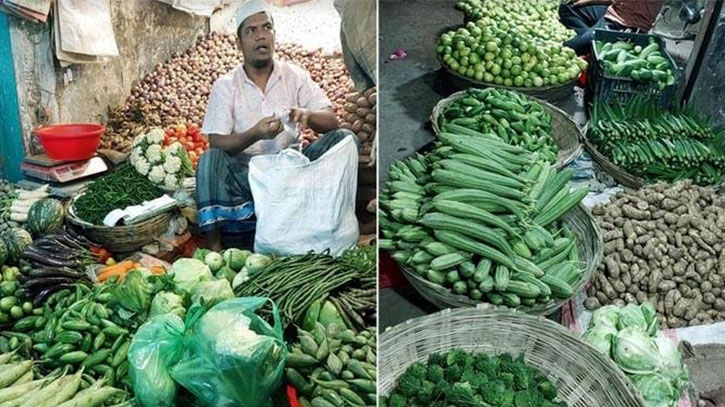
{"points": [[331, 366], [479, 216], [498, 51], [510, 115], [360, 116], [656, 144], [624, 59], [538, 18], [294, 283], [177, 91], [19, 388], [121, 188], [163, 165], [664, 245], [632, 338], [463, 379], [233, 265]]}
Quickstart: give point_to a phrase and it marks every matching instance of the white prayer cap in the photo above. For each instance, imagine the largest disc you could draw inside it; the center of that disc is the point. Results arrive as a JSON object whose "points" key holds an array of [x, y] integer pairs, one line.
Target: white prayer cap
{"points": [[250, 8]]}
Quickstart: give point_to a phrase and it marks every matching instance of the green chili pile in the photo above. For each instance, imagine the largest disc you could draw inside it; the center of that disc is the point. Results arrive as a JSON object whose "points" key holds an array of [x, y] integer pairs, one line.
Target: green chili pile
{"points": [[119, 189]]}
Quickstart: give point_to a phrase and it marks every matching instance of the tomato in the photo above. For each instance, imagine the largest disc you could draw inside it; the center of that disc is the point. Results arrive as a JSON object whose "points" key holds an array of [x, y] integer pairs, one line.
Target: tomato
{"points": [[182, 140], [199, 151], [189, 146]]}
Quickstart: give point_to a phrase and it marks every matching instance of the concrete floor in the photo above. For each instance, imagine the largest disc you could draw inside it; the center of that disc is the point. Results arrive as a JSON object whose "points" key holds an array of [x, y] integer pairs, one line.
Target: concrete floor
{"points": [[408, 91]]}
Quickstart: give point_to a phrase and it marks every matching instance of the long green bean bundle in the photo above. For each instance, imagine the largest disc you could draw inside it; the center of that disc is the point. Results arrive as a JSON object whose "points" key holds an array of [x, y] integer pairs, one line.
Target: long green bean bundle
{"points": [[119, 189]]}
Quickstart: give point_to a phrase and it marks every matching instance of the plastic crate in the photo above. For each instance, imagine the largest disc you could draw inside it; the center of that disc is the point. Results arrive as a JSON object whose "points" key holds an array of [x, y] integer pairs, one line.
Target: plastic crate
{"points": [[605, 88]]}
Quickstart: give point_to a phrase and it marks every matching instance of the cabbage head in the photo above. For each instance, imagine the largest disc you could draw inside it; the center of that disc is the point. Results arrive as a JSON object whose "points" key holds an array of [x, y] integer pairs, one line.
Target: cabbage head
{"points": [[212, 292], [607, 315], [601, 336], [167, 302], [656, 390], [189, 272], [632, 316], [635, 352]]}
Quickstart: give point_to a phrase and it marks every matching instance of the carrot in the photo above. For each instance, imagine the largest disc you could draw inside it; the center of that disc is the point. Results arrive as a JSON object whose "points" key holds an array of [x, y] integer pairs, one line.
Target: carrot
{"points": [[119, 270], [158, 270]]}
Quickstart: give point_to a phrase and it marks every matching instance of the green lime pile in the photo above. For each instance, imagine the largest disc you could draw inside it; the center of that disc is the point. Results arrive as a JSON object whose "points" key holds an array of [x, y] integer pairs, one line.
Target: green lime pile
{"points": [[511, 49]]}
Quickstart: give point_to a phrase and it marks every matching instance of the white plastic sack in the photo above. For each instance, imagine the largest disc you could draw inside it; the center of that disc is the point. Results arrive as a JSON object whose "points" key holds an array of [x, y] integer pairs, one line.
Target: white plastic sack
{"points": [[304, 206]]}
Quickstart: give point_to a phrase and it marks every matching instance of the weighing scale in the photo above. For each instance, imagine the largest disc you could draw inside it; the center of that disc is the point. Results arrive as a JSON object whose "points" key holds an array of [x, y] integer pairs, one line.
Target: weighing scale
{"points": [[64, 177]]}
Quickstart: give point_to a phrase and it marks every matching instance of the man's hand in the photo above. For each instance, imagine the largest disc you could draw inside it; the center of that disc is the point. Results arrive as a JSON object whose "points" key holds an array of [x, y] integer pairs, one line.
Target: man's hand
{"points": [[307, 138], [267, 128], [300, 116]]}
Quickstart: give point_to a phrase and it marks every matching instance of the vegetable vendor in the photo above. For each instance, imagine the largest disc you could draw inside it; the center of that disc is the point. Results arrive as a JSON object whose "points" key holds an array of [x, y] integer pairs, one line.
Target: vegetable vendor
{"points": [[244, 118], [584, 16]]}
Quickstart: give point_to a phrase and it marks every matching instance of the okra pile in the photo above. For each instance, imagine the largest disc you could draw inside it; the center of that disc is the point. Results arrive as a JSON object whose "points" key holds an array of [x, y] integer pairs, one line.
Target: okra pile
{"points": [[656, 144], [332, 366], [21, 386], [80, 328], [512, 116], [646, 64], [480, 216]]}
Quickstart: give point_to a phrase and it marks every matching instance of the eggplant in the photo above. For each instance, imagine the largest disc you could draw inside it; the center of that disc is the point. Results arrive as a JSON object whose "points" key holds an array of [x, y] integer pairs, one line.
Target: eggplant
{"points": [[43, 258], [42, 282], [56, 272]]}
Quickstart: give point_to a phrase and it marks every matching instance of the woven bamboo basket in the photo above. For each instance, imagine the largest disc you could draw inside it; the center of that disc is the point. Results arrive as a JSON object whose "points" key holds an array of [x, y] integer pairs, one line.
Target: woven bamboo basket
{"points": [[618, 173], [121, 239], [554, 93], [588, 242], [584, 377], [566, 133]]}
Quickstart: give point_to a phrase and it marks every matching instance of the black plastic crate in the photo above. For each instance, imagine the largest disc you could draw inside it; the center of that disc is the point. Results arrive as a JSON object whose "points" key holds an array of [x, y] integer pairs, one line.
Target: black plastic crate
{"points": [[605, 88]]}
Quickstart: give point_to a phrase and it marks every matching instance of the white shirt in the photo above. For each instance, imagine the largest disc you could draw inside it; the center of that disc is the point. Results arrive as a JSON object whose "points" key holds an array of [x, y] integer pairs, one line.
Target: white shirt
{"points": [[236, 103]]}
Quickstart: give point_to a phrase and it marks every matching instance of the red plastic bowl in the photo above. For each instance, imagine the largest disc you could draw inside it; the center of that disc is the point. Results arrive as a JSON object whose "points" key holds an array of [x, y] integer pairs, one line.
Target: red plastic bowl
{"points": [[71, 142]]}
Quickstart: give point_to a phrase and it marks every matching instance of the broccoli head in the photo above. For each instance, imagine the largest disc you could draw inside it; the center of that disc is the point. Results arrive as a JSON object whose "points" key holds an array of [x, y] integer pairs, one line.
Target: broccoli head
{"points": [[435, 373], [418, 370], [397, 400], [452, 373], [458, 357], [461, 395], [437, 359], [485, 365], [408, 384], [528, 398], [508, 379], [548, 390], [494, 392], [425, 391], [524, 376]]}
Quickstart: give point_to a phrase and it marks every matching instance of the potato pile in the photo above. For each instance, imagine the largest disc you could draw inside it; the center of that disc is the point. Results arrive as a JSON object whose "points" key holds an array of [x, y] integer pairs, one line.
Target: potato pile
{"points": [[664, 244], [360, 117], [177, 91]]}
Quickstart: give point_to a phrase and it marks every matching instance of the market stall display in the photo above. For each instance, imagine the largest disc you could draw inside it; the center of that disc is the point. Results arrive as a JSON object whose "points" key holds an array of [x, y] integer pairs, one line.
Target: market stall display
{"points": [[638, 143], [164, 165], [663, 245], [518, 119], [15, 204], [482, 218], [580, 374], [631, 336]]}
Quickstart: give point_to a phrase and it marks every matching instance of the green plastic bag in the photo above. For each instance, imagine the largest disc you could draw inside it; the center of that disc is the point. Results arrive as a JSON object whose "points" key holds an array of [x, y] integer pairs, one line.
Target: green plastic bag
{"points": [[157, 345], [233, 357]]}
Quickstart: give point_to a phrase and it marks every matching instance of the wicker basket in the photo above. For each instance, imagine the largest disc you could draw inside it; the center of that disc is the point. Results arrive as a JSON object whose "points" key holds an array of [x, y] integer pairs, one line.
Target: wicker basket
{"points": [[584, 377], [554, 93], [565, 132], [121, 239], [588, 241]]}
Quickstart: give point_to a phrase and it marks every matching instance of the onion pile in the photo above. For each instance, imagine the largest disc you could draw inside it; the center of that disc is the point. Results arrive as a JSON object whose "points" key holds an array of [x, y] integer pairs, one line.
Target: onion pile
{"points": [[178, 90], [360, 116]]}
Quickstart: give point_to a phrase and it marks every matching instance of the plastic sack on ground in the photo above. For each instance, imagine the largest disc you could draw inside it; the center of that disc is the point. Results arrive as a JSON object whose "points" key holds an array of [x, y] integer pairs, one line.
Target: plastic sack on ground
{"points": [[157, 345], [233, 357], [288, 184]]}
